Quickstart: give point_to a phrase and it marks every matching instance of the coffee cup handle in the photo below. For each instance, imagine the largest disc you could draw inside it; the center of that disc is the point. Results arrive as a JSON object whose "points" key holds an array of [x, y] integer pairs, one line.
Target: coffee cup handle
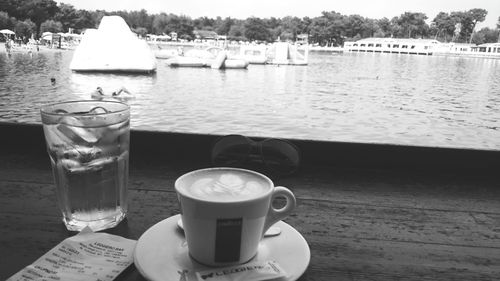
{"points": [[274, 215]]}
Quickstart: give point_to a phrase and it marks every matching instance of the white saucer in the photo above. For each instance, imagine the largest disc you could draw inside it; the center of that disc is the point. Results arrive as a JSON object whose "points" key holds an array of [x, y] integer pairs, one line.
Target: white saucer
{"points": [[161, 253]]}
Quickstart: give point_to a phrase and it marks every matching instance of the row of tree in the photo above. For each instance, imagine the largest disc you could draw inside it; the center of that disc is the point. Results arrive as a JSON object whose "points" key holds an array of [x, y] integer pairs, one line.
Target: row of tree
{"points": [[27, 17]]}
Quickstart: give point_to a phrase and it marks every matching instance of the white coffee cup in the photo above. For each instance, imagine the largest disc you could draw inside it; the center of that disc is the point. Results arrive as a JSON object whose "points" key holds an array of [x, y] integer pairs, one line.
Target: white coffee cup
{"points": [[226, 211]]}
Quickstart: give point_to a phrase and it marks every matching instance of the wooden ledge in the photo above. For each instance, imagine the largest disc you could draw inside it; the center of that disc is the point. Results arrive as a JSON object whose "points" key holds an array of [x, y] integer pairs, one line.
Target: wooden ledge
{"points": [[154, 146]]}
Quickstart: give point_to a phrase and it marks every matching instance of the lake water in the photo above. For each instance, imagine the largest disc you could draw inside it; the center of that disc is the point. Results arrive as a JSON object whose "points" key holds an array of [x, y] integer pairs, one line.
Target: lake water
{"points": [[371, 98]]}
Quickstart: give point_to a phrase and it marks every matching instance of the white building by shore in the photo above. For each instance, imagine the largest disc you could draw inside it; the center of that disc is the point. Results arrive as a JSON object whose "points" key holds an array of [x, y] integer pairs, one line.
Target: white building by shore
{"points": [[488, 50], [422, 47], [392, 45]]}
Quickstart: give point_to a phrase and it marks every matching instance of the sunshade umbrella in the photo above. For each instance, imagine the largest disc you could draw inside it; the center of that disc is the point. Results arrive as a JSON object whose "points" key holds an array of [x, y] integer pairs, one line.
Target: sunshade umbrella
{"points": [[6, 31], [47, 37]]}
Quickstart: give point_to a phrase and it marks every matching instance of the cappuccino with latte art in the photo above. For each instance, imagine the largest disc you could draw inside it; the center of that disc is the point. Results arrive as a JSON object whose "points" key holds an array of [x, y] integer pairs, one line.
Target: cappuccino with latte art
{"points": [[226, 211], [225, 186]]}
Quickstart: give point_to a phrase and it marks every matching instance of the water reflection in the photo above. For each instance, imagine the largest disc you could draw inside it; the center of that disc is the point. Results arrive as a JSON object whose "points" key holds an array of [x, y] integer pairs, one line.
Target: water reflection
{"points": [[375, 98]]}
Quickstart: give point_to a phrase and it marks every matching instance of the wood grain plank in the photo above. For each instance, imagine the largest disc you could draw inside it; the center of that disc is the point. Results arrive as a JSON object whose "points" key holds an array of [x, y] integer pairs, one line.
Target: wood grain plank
{"points": [[360, 224], [337, 258], [443, 192], [344, 218]]}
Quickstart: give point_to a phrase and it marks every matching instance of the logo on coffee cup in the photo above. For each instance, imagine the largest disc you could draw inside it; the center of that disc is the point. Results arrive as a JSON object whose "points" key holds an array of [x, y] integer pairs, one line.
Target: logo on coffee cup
{"points": [[228, 240]]}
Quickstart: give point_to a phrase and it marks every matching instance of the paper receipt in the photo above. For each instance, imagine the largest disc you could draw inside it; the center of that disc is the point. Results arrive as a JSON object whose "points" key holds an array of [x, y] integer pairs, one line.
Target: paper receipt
{"points": [[85, 256]]}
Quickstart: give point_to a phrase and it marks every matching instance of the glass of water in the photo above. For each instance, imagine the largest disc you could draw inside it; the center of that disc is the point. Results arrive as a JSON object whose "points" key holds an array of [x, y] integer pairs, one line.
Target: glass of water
{"points": [[88, 145]]}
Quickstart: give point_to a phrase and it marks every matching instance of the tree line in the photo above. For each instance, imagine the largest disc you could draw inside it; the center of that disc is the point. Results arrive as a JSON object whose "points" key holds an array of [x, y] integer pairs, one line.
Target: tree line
{"points": [[33, 17]]}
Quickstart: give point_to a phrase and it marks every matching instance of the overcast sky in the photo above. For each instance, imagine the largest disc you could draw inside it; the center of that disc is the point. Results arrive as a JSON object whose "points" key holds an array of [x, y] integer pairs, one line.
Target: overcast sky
{"points": [[374, 9]]}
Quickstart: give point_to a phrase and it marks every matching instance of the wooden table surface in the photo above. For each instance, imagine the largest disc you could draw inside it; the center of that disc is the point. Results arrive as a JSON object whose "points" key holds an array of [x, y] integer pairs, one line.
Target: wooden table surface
{"points": [[360, 224]]}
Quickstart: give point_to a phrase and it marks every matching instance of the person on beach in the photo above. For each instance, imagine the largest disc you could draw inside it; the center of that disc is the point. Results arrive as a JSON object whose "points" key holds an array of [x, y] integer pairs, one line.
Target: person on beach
{"points": [[8, 46], [180, 51]]}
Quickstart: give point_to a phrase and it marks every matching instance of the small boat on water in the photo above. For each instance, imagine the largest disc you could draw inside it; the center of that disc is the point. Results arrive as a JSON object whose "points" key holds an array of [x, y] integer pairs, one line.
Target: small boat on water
{"points": [[280, 53], [182, 61], [235, 64], [214, 57]]}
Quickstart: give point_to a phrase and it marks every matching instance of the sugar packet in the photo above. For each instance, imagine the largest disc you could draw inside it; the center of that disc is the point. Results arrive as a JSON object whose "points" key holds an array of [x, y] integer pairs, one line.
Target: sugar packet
{"points": [[252, 271], [85, 256]]}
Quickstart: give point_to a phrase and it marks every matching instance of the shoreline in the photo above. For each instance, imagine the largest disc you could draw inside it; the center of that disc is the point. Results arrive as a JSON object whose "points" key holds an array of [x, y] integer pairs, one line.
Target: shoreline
{"points": [[211, 44], [25, 49]]}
